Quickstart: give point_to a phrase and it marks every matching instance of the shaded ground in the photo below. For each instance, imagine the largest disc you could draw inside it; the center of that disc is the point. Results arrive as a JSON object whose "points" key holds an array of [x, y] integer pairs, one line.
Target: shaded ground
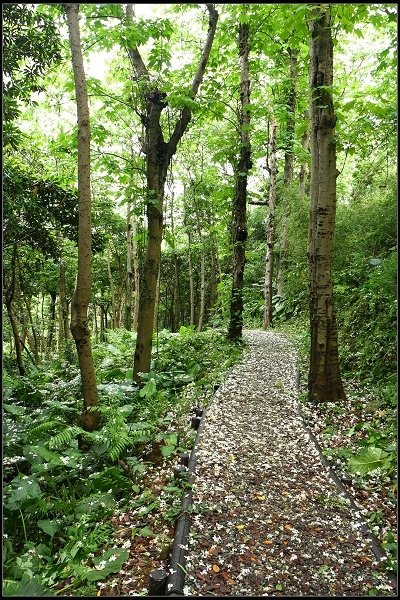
{"points": [[267, 518]]}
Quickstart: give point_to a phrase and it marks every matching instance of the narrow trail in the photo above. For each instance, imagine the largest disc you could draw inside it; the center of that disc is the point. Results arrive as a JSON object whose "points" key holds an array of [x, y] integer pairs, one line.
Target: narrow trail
{"points": [[267, 519]]}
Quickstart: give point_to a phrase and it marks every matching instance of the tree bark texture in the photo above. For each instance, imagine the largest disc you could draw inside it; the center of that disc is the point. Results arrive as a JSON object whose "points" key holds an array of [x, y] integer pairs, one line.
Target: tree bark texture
{"points": [[80, 301], [269, 256], [158, 157], [324, 380], [239, 211]]}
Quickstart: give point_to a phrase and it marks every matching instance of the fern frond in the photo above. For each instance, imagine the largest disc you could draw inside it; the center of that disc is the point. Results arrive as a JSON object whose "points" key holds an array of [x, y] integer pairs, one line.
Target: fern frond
{"points": [[36, 432], [65, 437]]}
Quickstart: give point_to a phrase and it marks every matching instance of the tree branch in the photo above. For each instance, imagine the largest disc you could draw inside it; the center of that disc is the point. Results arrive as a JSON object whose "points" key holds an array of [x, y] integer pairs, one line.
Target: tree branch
{"points": [[186, 113], [134, 54]]}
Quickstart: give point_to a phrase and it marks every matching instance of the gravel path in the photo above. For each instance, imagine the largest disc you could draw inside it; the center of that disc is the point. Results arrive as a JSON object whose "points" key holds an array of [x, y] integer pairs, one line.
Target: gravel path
{"points": [[267, 519]]}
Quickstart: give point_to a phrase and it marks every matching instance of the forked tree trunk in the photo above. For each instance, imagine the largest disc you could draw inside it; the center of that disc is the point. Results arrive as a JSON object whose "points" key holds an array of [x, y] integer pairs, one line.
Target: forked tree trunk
{"points": [[324, 380], [269, 256], [239, 212], [80, 301], [158, 157]]}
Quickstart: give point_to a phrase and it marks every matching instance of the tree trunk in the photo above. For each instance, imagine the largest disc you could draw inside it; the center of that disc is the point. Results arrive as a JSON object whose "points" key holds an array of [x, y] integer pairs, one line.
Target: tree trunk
{"points": [[158, 157], [80, 301], [136, 272], [292, 97], [64, 302], [324, 380], [9, 297], [191, 280], [239, 212], [129, 273], [303, 174], [288, 172], [35, 342], [202, 269], [52, 320], [112, 292], [269, 257]]}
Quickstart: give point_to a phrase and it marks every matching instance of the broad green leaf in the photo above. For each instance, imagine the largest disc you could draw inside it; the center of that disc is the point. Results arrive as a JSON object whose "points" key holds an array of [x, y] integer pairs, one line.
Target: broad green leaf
{"points": [[368, 460]]}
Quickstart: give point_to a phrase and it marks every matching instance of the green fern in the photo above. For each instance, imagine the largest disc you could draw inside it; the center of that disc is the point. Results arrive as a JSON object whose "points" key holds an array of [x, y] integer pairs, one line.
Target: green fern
{"points": [[37, 432], [65, 437], [117, 436]]}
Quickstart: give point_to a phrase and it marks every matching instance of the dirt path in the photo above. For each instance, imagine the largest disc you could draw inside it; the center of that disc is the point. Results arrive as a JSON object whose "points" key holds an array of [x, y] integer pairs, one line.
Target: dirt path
{"points": [[268, 520]]}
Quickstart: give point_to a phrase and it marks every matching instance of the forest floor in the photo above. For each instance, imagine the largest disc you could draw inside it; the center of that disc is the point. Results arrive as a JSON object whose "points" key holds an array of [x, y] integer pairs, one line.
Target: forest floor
{"points": [[267, 519]]}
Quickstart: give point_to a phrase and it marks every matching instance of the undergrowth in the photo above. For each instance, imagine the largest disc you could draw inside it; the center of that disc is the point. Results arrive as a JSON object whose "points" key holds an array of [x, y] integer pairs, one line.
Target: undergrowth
{"points": [[62, 484]]}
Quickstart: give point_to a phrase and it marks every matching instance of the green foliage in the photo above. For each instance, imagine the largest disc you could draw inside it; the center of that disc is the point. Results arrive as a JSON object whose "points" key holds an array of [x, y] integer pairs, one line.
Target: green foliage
{"points": [[31, 43], [369, 459], [59, 496]]}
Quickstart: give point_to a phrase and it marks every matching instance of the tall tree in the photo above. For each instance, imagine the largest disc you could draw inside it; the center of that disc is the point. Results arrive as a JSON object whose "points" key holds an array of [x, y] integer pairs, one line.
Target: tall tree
{"points": [[239, 212], [158, 158], [80, 300], [324, 380], [269, 257]]}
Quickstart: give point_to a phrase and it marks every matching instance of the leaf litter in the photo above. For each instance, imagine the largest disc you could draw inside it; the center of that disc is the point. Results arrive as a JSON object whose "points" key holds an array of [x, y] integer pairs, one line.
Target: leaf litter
{"points": [[263, 498]]}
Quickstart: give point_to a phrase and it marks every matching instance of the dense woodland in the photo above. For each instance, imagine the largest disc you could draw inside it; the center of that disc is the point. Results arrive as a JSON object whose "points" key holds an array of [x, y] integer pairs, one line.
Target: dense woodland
{"points": [[173, 174]]}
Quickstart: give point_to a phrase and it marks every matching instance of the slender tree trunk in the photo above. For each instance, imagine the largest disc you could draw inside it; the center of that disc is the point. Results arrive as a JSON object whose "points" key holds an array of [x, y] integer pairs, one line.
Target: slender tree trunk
{"points": [[110, 279], [52, 321], [324, 380], [176, 301], [215, 266], [239, 212], [80, 301], [34, 340], [9, 297], [64, 302], [269, 257], [156, 312], [303, 174], [292, 99], [95, 325], [288, 172], [202, 269], [136, 271], [191, 280], [158, 157], [129, 273]]}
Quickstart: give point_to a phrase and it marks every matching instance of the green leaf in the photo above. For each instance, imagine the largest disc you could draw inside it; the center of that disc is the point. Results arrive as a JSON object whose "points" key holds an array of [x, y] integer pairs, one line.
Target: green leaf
{"points": [[149, 389], [21, 490], [49, 527], [146, 532], [167, 450], [111, 562], [14, 410], [368, 460]]}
